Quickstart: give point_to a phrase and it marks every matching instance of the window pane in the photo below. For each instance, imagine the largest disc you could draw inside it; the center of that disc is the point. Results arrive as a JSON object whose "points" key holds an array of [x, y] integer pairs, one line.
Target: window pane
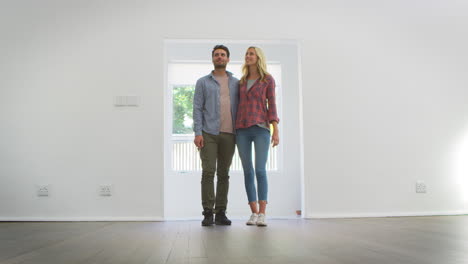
{"points": [[182, 103]]}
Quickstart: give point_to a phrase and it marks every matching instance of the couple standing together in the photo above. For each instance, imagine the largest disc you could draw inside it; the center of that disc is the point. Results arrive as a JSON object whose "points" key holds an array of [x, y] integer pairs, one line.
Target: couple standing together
{"points": [[227, 112]]}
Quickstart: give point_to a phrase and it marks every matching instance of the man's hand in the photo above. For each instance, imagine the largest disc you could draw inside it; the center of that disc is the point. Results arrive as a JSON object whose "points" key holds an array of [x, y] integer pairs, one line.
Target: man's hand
{"points": [[199, 141]]}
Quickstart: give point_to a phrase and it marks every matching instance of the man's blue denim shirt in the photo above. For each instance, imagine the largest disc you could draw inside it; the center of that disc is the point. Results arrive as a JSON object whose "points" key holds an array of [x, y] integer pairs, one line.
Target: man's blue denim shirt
{"points": [[206, 106]]}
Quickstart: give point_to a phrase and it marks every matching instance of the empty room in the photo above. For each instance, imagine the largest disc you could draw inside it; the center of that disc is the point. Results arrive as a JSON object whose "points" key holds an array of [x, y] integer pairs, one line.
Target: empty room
{"points": [[233, 132]]}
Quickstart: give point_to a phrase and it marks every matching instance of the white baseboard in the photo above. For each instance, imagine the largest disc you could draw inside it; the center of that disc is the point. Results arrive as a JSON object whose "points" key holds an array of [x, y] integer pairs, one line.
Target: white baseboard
{"points": [[390, 214], [124, 219], [81, 219]]}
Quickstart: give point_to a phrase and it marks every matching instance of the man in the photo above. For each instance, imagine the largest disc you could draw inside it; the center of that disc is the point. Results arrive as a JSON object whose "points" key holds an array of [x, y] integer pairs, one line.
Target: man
{"points": [[214, 115]]}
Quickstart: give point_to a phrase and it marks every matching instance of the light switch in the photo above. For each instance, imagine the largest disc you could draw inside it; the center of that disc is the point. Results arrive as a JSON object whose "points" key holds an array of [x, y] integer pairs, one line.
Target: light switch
{"points": [[126, 100], [119, 101], [133, 100]]}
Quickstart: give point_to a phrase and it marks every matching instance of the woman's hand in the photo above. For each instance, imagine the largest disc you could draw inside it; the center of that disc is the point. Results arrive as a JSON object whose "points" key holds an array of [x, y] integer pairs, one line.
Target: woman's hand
{"points": [[275, 138]]}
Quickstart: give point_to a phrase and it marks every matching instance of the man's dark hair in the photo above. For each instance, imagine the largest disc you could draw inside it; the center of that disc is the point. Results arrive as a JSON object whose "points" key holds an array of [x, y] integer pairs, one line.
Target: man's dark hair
{"points": [[220, 47]]}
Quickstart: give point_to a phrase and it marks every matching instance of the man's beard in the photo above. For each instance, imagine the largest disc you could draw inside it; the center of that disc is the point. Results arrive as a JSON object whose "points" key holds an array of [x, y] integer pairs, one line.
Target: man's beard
{"points": [[220, 66]]}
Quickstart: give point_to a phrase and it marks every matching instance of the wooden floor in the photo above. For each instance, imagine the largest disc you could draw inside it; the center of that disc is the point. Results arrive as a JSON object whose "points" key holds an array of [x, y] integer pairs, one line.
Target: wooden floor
{"points": [[408, 240]]}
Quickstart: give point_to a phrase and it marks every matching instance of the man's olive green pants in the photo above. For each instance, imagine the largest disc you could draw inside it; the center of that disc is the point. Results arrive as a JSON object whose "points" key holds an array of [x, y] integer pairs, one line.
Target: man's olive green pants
{"points": [[216, 157]]}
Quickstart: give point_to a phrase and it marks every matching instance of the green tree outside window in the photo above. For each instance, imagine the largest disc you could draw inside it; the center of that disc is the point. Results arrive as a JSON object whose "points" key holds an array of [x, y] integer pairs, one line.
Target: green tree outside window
{"points": [[182, 109]]}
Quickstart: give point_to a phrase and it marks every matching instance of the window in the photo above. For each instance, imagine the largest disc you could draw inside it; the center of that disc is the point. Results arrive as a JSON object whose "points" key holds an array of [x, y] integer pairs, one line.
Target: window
{"points": [[182, 77]]}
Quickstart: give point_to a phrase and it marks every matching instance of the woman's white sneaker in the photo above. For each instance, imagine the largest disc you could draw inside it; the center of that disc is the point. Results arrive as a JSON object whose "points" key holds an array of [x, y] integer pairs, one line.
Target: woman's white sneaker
{"points": [[261, 220], [253, 219]]}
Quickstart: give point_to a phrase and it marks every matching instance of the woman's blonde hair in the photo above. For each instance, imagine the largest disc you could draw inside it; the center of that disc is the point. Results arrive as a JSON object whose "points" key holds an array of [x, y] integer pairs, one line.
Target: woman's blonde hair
{"points": [[261, 65]]}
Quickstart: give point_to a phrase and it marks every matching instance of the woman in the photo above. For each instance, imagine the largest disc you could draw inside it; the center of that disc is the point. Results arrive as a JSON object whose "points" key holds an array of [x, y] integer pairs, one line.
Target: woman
{"points": [[256, 111]]}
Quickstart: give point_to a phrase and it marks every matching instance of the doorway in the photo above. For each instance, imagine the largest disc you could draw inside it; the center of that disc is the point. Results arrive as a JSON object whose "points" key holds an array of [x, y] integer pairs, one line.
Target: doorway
{"points": [[185, 62]]}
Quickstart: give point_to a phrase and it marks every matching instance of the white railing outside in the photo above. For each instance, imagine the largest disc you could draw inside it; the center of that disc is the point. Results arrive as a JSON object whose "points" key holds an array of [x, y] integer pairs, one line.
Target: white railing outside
{"points": [[185, 156]]}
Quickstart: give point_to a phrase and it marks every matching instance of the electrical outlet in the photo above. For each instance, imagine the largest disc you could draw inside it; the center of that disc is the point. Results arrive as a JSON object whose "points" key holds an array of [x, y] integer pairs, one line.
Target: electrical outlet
{"points": [[421, 187], [43, 190], [105, 190]]}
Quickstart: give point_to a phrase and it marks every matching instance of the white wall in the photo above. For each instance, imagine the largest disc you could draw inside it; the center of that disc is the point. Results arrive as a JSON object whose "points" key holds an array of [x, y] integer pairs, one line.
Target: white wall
{"points": [[384, 101]]}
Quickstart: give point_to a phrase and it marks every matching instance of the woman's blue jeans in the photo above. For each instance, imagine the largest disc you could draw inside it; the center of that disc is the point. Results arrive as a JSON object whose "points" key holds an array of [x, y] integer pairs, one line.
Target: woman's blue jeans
{"points": [[261, 141]]}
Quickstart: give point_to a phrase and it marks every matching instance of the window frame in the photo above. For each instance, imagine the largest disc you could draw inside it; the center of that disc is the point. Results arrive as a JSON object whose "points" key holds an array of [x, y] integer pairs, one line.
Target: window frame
{"points": [[236, 166]]}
